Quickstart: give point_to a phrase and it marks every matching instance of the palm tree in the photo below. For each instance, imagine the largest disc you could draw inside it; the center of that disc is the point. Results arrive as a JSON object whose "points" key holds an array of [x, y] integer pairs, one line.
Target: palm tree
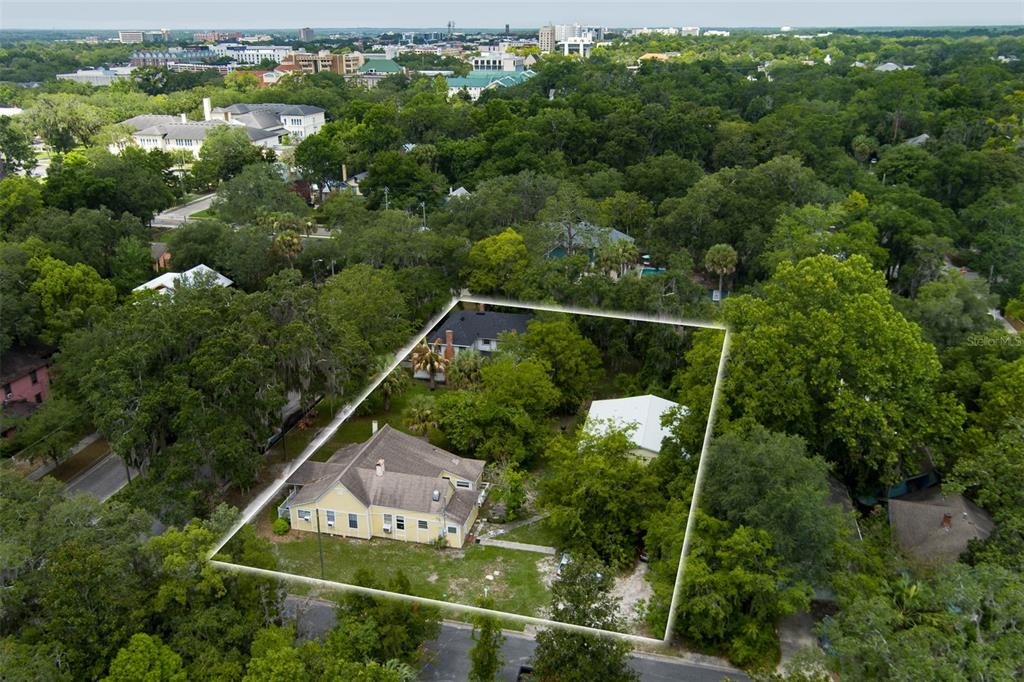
{"points": [[430, 359], [393, 385], [721, 259], [420, 416]]}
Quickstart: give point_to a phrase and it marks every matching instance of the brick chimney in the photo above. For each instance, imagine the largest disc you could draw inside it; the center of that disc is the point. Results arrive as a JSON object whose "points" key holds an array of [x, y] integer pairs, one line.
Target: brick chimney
{"points": [[947, 521], [449, 344], [380, 467]]}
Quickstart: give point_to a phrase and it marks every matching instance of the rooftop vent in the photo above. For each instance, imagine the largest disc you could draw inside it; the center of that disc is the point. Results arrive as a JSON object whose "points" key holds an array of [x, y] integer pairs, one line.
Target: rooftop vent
{"points": [[436, 496]]}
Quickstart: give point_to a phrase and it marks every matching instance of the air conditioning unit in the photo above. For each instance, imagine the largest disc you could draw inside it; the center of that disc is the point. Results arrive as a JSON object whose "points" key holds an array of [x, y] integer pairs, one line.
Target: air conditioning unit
{"points": [[387, 527]]}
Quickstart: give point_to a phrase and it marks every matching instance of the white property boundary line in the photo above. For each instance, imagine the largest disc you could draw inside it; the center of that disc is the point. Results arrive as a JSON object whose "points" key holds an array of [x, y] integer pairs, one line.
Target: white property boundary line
{"points": [[346, 411]]}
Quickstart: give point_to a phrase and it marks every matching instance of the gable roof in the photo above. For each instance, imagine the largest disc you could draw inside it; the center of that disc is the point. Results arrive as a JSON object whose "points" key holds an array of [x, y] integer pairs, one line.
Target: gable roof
{"points": [[200, 274], [917, 523], [486, 78], [469, 325], [644, 411], [380, 65], [412, 472], [271, 107]]}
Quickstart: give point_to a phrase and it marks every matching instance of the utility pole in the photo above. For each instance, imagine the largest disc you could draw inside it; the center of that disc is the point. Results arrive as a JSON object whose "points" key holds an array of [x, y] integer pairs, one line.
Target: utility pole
{"points": [[320, 544]]}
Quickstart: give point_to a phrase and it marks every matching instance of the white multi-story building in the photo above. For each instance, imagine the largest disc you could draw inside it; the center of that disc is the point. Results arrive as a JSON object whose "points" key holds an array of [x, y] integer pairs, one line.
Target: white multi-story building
{"points": [[251, 54], [266, 125], [497, 61], [129, 37], [298, 121], [579, 47]]}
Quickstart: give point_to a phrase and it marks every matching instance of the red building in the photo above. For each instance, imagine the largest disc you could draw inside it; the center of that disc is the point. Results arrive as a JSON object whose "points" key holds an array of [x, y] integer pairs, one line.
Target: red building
{"points": [[25, 376]]}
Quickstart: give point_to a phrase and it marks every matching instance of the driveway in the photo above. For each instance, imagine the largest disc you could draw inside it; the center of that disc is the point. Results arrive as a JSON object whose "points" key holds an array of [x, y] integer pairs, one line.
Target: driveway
{"points": [[179, 215], [101, 480], [448, 655]]}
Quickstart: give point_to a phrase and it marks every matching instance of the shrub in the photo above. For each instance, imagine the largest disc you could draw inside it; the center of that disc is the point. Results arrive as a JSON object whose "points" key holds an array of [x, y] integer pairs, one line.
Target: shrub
{"points": [[281, 526]]}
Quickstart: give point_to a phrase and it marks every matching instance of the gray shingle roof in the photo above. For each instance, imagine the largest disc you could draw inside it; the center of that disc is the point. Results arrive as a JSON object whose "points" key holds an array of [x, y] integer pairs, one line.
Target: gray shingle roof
{"points": [[279, 109], [470, 325], [917, 522], [412, 472]]}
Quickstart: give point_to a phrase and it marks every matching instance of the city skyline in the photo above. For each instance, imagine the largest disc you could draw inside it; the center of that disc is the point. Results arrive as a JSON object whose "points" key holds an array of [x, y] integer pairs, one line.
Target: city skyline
{"points": [[63, 15]]}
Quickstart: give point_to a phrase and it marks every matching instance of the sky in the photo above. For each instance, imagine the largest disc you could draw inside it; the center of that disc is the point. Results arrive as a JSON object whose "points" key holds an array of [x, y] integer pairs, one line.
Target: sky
{"points": [[188, 14]]}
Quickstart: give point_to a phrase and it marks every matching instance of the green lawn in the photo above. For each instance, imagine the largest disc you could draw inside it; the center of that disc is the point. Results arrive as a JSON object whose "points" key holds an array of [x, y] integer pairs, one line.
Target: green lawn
{"points": [[449, 575], [359, 427], [536, 533]]}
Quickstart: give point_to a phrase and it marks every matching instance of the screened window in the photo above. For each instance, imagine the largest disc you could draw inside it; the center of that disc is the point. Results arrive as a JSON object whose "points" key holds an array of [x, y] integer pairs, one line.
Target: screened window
{"points": [[330, 517], [353, 520], [421, 524], [400, 522]]}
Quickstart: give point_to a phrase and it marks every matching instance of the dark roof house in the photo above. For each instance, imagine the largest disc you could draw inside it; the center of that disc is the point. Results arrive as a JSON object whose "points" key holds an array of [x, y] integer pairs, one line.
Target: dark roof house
{"points": [[470, 326]]}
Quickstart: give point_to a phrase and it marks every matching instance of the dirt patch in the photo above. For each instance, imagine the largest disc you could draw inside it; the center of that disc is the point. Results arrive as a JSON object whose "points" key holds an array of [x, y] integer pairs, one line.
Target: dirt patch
{"points": [[546, 567], [634, 593]]}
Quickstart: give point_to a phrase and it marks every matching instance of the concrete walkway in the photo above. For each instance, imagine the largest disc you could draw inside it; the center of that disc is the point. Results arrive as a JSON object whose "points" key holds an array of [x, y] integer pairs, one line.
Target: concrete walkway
{"points": [[496, 529], [177, 216], [522, 546]]}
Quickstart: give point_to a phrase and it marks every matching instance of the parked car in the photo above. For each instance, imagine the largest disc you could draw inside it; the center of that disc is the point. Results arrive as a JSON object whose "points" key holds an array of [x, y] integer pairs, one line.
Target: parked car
{"points": [[524, 673]]}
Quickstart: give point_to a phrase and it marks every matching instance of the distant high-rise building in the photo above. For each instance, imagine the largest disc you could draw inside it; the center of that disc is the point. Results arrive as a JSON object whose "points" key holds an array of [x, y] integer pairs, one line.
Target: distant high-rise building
{"points": [[306, 34], [451, 29], [506, 29], [129, 37], [546, 39]]}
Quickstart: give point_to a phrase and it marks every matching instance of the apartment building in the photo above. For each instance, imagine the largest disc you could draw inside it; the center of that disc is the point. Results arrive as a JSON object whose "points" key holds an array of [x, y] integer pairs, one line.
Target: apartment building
{"points": [[324, 60], [251, 54], [546, 39]]}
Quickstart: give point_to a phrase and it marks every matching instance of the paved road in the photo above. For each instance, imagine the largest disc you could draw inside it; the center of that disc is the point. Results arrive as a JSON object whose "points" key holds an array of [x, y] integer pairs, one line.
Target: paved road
{"points": [[101, 480], [449, 654], [179, 215]]}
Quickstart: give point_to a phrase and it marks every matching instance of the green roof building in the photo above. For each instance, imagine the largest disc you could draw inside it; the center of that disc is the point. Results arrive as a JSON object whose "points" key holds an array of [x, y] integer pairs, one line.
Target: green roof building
{"points": [[477, 81]]}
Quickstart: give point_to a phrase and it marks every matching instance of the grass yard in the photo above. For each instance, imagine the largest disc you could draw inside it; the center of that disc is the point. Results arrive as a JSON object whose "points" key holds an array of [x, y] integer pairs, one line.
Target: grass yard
{"points": [[359, 427], [536, 533], [449, 575]]}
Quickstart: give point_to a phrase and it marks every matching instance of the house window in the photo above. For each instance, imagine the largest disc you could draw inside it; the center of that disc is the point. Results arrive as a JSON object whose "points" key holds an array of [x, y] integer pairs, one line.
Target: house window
{"points": [[330, 518], [353, 520], [34, 377], [305, 515], [461, 484], [400, 522], [387, 523], [421, 524], [452, 530]]}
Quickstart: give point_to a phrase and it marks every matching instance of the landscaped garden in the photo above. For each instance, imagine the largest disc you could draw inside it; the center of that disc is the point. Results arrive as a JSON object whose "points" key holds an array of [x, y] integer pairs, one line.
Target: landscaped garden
{"points": [[450, 575]]}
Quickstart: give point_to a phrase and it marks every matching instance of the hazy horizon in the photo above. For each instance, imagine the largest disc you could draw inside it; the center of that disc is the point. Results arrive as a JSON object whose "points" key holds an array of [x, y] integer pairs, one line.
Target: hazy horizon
{"points": [[239, 14]]}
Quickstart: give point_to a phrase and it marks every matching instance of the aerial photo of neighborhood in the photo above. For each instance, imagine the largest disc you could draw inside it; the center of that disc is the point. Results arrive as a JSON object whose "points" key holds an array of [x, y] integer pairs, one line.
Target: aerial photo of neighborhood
{"points": [[566, 342]]}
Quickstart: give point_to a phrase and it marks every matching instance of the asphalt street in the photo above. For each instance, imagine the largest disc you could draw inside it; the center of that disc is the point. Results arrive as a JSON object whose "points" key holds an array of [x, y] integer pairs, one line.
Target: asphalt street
{"points": [[101, 480], [179, 215], [448, 655]]}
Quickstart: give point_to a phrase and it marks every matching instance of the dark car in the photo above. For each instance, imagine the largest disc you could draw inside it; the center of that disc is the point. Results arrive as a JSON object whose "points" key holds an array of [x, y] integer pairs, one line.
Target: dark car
{"points": [[525, 672]]}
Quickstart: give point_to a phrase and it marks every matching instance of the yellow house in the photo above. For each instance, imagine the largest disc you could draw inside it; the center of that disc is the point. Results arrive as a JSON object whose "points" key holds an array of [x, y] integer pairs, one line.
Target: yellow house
{"points": [[392, 486]]}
